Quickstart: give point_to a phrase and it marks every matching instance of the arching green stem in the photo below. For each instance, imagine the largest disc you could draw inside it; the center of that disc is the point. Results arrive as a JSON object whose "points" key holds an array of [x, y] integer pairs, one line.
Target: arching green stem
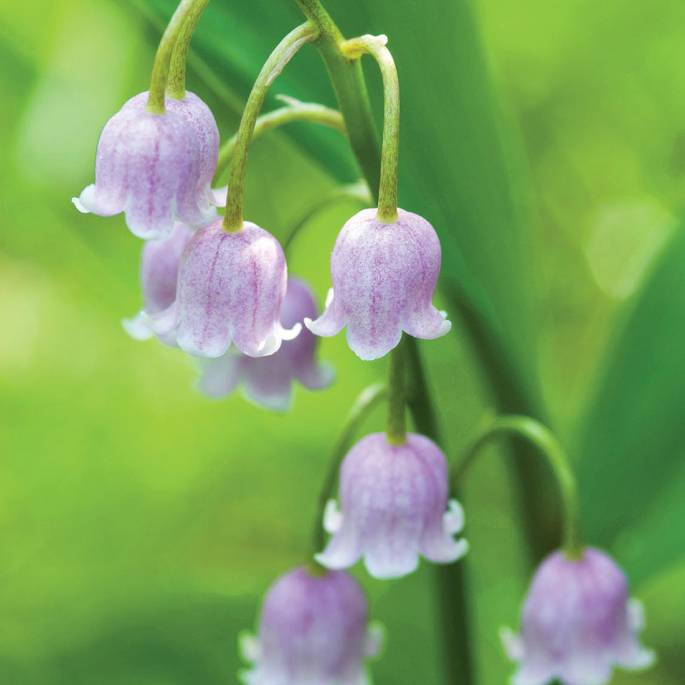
{"points": [[368, 399], [550, 448], [397, 397], [274, 65], [293, 111], [176, 86], [160, 68], [376, 47]]}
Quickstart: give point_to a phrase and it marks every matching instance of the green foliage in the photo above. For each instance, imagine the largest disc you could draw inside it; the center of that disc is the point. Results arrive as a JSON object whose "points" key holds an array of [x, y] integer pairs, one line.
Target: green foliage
{"points": [[142, 523]]}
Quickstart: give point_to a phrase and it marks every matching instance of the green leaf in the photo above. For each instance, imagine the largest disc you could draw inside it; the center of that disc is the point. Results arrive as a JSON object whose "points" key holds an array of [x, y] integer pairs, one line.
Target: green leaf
{"points": [[631, 446]]}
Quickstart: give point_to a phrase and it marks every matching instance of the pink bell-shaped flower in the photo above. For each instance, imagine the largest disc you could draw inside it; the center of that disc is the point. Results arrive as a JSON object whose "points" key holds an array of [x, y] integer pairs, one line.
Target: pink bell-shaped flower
{"points": [[577, 623], [267, 381], [394, 506], [156, 168], [230, 291], [158, 278], [384, 277], [313, 630]]}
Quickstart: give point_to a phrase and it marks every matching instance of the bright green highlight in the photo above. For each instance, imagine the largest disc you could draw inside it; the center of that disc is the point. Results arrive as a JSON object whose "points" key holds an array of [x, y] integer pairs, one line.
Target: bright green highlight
{"points": [[274, 65]]}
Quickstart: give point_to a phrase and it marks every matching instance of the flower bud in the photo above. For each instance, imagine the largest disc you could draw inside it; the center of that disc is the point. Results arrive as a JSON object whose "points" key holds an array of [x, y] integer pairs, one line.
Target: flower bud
{"points": [[268, 380], [313, 631], [158, 278], [156, 168], [384, 277], [230, 291], [394, 501], [577, 623]]}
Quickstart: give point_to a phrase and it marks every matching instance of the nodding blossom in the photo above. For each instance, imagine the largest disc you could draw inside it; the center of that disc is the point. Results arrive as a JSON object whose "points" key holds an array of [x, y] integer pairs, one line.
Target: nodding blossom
{"points": [[577, 624], [158, 278], [230, 291], [268, 381], [156, 168], [394, 507], [313, 630], [384, 277]]}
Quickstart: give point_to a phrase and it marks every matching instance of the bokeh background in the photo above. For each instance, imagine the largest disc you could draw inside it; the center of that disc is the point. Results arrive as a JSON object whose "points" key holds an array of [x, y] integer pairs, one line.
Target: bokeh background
{"points": [[141, 523]]}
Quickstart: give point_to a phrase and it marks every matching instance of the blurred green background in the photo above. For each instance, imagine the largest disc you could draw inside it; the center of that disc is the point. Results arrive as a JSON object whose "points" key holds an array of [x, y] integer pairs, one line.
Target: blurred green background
{"points": [[141, 523]]}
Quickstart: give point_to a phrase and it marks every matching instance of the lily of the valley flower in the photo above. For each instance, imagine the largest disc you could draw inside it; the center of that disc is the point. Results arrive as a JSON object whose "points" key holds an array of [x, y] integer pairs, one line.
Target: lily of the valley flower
{"points": [[230, 292], [268, 381], [394, 507], [313, 630], [158, 279], [384, 277], [156, 168], [578, 623]]}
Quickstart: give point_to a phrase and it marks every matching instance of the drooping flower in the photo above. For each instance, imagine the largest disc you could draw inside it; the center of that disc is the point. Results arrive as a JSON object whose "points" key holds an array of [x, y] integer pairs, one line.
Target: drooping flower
{"points": [[268, 380], [158, 277], [313, 630], [230, 292], [384, 277], [578, 623], [156, 168], [394, 506]]}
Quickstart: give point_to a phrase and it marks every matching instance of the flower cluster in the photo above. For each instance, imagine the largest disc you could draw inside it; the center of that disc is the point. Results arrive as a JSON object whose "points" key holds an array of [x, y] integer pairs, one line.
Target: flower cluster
{"points": [[218, 289]]}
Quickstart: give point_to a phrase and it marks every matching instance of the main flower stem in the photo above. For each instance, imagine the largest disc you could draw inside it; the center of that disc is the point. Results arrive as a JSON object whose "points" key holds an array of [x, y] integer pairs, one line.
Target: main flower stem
{"points": [[350, 88], [376, 47], [293, 111], [274, 65], [549, 447], [176, 86], [368, 399], [160, 68], [397, 399]]}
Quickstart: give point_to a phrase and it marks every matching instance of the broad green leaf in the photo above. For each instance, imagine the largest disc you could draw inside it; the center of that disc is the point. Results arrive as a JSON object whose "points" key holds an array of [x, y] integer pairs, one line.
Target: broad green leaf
{"points": [[631, 446]]}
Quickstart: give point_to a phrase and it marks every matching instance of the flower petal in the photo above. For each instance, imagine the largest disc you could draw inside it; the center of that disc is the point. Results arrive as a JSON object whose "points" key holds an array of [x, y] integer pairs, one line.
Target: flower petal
{"points": [[332, 320]]}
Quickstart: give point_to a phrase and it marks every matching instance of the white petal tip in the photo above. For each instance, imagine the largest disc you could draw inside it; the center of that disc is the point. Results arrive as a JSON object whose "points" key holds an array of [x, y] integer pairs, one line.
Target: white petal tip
{"points": [[511, 643], [332, 517], [79, 205], [375, 639], [139, 327], [248, 645], [291, 333]]}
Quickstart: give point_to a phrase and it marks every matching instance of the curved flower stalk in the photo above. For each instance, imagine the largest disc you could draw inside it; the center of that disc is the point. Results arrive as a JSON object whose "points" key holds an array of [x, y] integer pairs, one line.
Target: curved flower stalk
{"points": [[384, 276], [394, 507], [156, 168], [230, 292], [158, 279], [268, 381], [313, 630], [577, 623]]}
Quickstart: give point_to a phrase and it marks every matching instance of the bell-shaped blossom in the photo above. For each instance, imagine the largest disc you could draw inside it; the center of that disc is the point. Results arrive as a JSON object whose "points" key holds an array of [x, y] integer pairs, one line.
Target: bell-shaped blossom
{"points": [[230, 290], [384, 277], [267, 381], [394, 506], [158, 277], [156, 168], [313, 630], [577, 623]]}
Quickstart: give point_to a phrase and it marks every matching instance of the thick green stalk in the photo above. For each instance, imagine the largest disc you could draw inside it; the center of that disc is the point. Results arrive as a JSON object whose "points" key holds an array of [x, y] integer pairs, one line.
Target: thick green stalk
{"points": [[350, 89], [453, 606], [549, 447], [293, 111], [160, 68], [176, 86], [274, 65], [397, 400]]}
